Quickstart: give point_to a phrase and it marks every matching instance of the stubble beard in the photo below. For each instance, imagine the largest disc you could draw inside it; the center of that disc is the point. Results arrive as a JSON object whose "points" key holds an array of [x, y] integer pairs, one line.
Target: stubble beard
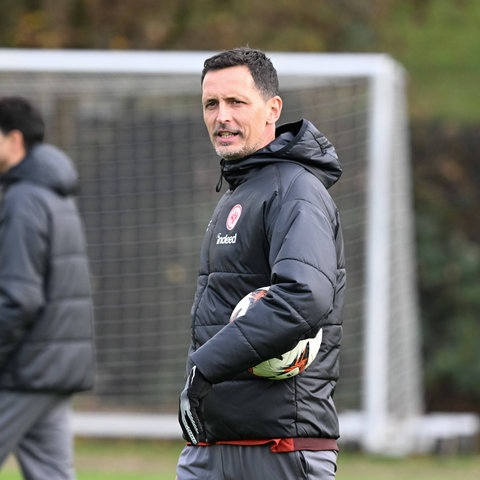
{"points": [[231, 155], [227, 155]]}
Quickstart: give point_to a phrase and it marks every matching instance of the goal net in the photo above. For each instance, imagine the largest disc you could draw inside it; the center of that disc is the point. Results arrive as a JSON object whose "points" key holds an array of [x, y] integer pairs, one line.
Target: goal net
{"points": [[132, 123]]}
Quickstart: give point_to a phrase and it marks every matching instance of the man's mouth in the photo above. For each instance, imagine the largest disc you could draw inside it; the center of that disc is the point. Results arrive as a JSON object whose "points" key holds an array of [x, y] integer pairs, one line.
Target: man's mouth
{"points": [[224, 134]]}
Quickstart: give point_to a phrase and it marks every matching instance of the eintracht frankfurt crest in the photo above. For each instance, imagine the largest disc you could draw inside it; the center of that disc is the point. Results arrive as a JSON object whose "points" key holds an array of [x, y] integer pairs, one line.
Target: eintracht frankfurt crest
{"points": [[233, 216]]}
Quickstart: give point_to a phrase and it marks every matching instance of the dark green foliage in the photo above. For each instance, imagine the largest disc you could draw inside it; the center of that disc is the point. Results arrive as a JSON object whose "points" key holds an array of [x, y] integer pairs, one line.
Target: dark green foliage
{"points": [[447, 195]]}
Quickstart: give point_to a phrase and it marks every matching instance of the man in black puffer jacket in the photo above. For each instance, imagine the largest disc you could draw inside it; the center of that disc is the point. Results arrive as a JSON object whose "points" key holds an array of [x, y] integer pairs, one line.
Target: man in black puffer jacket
{"points": [[276, 226], [46, 312]]}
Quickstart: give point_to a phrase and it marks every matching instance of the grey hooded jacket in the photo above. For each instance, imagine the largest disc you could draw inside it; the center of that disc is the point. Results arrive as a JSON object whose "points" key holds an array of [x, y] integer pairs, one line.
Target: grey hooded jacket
{"points": [[46, 312], [284, 232]]}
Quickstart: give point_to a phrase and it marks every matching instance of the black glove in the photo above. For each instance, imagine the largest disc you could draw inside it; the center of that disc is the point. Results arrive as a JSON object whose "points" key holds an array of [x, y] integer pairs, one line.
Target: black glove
{"points": [[190, 411]]}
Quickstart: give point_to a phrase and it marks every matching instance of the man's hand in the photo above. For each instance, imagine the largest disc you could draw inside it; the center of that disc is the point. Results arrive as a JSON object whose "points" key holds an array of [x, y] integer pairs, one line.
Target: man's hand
{"points": [[190, 411]]}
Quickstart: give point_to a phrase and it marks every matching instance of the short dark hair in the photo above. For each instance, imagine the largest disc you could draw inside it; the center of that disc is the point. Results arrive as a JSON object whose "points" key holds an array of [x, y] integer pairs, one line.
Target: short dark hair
{"points": [[261, 68], [17, 113]]}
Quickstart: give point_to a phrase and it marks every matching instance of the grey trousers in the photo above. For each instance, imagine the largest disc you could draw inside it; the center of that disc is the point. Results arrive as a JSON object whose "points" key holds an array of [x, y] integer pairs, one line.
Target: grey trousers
{"points": [[234, 462], [35, 427]]}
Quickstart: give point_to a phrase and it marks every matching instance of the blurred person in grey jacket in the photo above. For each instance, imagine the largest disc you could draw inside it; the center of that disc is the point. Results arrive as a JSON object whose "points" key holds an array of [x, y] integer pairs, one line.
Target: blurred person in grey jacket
{"points": [[46, 311]]}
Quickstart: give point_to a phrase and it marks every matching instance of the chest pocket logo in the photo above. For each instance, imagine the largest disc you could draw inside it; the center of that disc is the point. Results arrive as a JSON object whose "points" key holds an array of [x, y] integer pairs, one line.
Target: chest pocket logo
{"points": [[234, 216]]}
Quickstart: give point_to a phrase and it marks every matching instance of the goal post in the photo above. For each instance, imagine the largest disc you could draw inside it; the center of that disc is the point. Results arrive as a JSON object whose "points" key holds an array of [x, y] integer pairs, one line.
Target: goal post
{"points": [[392, 344], [131, 120]]}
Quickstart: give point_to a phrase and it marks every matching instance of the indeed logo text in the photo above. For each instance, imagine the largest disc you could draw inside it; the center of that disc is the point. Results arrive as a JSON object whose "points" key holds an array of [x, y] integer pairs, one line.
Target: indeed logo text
{"points": [[226, 239]]}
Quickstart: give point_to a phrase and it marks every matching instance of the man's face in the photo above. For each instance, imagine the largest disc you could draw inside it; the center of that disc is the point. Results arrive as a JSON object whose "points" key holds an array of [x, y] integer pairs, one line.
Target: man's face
{"points": [[5, 151], [238, 118]]}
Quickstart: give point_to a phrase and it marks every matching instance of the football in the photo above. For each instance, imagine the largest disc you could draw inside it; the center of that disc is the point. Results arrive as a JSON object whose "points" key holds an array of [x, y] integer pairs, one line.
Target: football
{"points": [[289, 364]]}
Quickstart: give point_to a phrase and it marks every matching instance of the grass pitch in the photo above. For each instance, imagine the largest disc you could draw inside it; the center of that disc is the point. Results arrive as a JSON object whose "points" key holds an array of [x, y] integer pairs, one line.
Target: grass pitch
{"points": [[149, 460]]}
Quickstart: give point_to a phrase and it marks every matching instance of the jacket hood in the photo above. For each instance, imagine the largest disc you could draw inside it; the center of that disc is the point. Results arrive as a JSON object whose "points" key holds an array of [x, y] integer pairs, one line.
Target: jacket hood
{"points": [[46, 165], [301, 143]]}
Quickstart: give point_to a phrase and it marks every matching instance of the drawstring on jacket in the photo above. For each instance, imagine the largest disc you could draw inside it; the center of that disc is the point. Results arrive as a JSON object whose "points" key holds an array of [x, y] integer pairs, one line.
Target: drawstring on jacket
{"points": [[220, 180]]}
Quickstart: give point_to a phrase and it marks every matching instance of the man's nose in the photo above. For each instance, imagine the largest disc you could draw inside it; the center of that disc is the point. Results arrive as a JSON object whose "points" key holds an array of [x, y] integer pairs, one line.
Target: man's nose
{"points": [[223, 113]]}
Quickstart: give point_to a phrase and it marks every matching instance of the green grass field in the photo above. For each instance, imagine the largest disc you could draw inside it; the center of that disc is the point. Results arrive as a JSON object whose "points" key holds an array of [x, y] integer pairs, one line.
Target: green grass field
{"points": [[149, 460]]}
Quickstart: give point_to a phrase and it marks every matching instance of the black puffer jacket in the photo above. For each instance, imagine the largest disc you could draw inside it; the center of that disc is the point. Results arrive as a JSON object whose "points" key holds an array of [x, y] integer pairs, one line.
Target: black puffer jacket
{"points": [[277, 225], [46, 309]]}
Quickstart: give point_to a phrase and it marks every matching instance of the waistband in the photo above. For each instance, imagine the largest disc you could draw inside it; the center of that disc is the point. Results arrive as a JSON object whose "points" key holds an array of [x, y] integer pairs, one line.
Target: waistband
{"points": [[281, 445]]}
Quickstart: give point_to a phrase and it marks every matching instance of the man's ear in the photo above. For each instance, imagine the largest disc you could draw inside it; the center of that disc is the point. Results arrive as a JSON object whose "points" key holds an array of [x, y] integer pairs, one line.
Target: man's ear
{"points": [[16, 139], [274, 106], [17, 148]]}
